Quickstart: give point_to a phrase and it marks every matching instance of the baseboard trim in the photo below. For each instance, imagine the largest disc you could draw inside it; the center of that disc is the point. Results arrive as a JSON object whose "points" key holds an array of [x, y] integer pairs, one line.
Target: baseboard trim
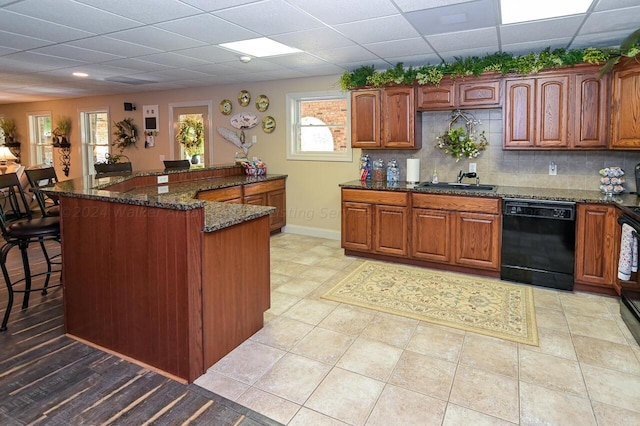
{"points": [[312, 232]]}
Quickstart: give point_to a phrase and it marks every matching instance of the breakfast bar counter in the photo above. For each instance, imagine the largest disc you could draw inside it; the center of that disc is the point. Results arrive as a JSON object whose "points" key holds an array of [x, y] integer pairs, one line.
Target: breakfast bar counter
{"points": [[155, 275]]}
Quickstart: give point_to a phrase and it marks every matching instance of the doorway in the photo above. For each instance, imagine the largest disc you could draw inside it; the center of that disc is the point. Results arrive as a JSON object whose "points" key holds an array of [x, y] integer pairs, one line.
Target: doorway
{"points": [[199, 111]]}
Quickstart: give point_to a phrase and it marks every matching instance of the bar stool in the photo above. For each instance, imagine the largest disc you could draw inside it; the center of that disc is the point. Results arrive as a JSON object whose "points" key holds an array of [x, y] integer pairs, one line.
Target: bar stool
{"points": [[19, 229], [44, 177]]}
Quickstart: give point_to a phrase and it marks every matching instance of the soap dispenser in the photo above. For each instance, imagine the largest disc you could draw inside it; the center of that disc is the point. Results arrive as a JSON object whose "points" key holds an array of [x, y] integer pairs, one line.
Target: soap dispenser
{"points": [[434, 178]]}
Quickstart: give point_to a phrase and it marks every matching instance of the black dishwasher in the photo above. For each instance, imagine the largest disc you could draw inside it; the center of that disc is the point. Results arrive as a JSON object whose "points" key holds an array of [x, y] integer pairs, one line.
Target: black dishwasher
{"points": [[538, 242]]}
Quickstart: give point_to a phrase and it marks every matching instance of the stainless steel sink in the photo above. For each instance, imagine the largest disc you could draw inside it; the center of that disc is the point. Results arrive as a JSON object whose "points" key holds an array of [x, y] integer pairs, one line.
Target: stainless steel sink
{"points": [[455, 185]]}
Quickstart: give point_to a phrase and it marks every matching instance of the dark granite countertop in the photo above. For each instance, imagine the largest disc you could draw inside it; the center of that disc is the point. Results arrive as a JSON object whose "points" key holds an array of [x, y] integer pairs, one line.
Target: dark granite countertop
{"points": [[176, 196], [555, 194]]}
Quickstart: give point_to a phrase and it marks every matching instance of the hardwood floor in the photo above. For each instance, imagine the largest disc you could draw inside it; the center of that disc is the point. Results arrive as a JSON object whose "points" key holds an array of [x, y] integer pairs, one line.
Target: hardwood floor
{"points": [[47, 378]]}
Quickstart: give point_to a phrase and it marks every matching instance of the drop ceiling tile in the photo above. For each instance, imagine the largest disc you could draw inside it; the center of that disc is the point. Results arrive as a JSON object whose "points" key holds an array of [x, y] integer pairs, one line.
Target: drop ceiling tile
{"points": [[416, 60], [395, 48], [412, 5], [535, 46], [156, 38], [135, 64], [208, 5], [256, 65], [484, 37], [336, 12], [296, 60], [378, 64], [113, 46], [73, 14], [217, 69], [608, 39], [173, 60], [208, 28], [614, 4], [102, 71], [327, 69], [147, 11], [277, 75], [170, 75], [213, 54], [43, 62], [31, 27], [545, 29], [7, 51], [345, 54], [450, 56], [269, 17], [454, 18], [314, 40], [370, 30], [614, 20], [20, 42], [76, 53]]}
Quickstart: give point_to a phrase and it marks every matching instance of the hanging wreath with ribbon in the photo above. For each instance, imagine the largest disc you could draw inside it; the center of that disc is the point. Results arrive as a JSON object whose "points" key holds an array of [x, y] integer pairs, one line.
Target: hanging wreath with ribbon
{"points": [[463, 141]]}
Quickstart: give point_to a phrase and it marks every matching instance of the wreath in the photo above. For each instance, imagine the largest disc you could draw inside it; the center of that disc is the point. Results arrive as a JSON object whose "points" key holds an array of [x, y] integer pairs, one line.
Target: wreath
{"points": [[126, 134], [462, 141], [191, 135]]}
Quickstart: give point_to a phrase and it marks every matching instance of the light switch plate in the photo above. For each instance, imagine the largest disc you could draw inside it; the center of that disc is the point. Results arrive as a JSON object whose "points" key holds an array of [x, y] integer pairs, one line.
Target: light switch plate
{"points": [[472, 167]]}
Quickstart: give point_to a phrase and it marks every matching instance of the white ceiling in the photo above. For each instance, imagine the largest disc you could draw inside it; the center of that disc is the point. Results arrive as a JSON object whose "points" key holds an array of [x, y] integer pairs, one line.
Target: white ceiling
{"points": [[145, 45]]}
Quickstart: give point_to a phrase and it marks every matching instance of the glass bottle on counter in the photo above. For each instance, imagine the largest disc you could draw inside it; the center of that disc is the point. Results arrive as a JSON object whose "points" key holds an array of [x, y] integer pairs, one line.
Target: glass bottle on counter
{"points": [[434, 179], [365, 167], [379, 172], [393, 172]]}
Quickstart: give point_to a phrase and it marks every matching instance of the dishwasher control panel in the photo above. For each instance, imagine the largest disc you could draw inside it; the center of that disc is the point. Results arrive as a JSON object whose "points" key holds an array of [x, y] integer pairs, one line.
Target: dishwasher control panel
{"points": [[539, 208]]}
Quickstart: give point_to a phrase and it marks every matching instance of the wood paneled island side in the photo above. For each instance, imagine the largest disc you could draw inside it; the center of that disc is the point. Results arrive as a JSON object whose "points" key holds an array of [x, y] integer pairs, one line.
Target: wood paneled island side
{"points": [[158, 276]]}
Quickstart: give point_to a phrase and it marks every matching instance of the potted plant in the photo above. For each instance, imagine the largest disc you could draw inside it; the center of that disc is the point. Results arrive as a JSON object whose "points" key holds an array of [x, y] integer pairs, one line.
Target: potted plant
{"points": [[60, 133], [126, 134], [8, 126], [191, 136], [113, 165]]}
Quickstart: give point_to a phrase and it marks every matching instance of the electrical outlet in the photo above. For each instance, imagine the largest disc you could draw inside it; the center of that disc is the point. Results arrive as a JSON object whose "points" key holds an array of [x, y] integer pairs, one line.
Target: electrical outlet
{"points": [[553, 169], [472, 167], [161, 158], [163, 179]]}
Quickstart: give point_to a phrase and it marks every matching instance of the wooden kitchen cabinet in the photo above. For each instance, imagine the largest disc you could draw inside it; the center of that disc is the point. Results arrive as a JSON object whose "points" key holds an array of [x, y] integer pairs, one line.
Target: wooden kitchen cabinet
{"points": [[478, 240], [566, 110], [431, 235], [597, 240], [375, 221], [270, 193], [625, 108], [462, 93], [232, 194], [385, 118]]}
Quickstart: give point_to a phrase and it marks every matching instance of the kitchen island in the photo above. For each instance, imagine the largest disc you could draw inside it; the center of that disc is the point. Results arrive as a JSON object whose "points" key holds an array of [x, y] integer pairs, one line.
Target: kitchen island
{"points": [[156, 275]]}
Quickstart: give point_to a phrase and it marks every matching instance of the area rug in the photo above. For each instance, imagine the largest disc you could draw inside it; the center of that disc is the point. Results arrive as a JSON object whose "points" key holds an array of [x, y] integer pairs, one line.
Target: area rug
{"points": [[482, 305]]}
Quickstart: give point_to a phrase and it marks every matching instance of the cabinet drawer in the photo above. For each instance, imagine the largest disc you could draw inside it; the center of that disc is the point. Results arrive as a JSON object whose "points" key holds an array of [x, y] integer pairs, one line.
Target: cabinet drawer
{"points": [[262, 187], [223, 194], [457, 203], [389, 198]]}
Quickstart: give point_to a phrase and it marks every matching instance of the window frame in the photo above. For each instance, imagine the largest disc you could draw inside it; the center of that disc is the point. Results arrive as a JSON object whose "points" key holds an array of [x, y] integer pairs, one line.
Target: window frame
{"points": [[88, 163], [36, 148], [294, 152]]}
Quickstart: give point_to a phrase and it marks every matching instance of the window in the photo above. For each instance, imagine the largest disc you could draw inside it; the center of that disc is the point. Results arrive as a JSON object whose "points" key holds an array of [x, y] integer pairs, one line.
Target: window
{"points": [[318, 126], [94, 130], [198, 118], [40, 138]]}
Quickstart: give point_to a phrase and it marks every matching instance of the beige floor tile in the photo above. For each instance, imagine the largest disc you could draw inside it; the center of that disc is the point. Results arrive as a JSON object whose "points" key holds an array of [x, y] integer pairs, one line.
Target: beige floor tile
{"points": [[248, 362], [275, 408], [602, 353], [305, 257], [282, 333], [221, 385], [347, 320], [624, 329], [553, 342], [390, 329], [551, 318], [319, 274], [398, 406], [346, 396], [488, 393], [599, 328], [370, 358], [544, 298], [552, 372], [610, 415], [424, 374], [584, 306], [310, 311], [612, 387], [298, 287], [503, 359], [326, 251], [280, 302], [306, 417], [439, 342], [336, 263], [461, 416], [278, 279], [291, 269], [323, 345], [293, 377], [542, 406]]}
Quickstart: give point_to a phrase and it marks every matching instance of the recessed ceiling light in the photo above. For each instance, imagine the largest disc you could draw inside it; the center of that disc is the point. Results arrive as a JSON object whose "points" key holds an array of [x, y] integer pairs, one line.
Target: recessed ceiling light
{"points": [[81, 74], [260, 47], [522, 11]]}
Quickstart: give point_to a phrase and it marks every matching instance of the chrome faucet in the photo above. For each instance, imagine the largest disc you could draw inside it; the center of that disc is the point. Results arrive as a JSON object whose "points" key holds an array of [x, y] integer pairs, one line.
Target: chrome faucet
{"points": [[468, 175]]}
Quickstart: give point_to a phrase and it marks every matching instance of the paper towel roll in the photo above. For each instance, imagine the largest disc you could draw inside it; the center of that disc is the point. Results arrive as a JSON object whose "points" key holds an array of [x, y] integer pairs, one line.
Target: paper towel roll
{"points": [[413, 170]]}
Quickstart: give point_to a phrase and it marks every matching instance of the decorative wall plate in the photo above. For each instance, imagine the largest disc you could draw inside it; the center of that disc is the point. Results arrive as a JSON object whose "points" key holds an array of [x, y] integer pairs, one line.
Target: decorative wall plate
{"points": [[268, 124], [262, 103], [226, 107], [244, 98], [244, 120]]}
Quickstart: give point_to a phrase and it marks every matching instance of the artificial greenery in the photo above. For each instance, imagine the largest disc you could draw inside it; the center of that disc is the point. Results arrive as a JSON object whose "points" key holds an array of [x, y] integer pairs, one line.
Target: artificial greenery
{"points": [[191, 135], [9, 128], [463, 141], [113, 158], [126, 134], [504, 63]]}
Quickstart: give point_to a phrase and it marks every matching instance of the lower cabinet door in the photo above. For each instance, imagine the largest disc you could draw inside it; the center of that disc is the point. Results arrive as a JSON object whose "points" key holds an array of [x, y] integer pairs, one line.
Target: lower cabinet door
{"points": [[277, 199], [357, 226], [597, 242], [431, 235], [391, 226], [477, 240]]}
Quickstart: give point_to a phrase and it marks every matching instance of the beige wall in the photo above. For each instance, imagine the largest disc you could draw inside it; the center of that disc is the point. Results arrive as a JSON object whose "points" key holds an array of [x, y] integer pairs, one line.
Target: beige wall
{"points": [[313, 196]]}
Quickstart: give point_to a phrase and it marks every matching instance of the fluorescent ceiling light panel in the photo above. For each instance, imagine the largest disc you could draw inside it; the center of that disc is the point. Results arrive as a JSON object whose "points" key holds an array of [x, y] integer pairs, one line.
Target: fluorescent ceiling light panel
{"points": [[522, 11], [81, 74], [260, 47]]}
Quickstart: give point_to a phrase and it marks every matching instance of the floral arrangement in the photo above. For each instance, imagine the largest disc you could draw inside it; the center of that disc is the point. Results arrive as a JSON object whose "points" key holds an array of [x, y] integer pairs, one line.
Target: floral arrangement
{"points": [[191, 135], [126, 134], [463, 141], [8, 126]]}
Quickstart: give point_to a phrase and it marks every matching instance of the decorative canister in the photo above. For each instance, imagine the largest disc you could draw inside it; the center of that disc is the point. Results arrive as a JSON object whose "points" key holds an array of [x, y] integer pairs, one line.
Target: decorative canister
{"points": [[365, 167], [379, 172], [393, 171]]}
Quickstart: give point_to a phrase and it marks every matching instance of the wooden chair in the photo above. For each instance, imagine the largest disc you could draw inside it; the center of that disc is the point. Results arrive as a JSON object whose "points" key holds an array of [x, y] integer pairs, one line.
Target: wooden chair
{"points": [[39, 178], [19, 229], [176, 164]]}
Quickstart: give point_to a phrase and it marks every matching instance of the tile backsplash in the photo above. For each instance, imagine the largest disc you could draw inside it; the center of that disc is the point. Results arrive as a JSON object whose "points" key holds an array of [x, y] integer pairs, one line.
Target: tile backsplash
{"points": [[575, 169]]}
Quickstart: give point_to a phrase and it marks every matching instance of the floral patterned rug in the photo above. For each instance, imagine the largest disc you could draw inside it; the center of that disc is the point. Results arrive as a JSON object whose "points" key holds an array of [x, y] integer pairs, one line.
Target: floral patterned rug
{"points": [[482, 305]]}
